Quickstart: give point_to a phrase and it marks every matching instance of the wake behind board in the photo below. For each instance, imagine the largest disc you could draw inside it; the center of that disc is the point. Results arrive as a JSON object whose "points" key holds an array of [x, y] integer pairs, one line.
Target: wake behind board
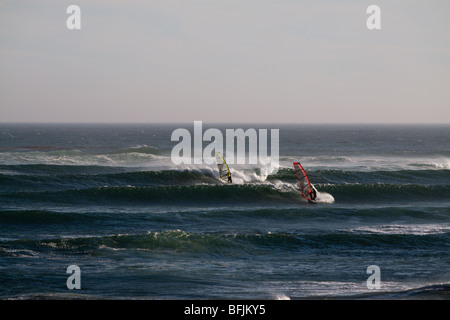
{"points": [[224, 171], [308, 191]]}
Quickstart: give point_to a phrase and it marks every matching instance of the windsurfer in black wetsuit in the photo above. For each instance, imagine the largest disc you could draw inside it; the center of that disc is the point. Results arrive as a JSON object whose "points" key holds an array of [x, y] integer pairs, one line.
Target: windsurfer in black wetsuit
{"points": [[313, 193], [229, 178]]}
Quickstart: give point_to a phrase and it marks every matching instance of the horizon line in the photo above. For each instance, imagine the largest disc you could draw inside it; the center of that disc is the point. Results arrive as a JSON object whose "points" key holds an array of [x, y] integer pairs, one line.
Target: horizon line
{"points": [[219, 122]]}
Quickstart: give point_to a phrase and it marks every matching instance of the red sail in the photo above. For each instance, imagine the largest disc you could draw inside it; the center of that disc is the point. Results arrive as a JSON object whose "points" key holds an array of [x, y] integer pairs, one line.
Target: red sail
{"points": [[303, 180]]}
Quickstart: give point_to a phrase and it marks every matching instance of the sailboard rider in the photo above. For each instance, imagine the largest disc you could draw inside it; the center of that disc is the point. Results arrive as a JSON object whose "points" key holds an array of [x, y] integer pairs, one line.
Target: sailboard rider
{"points": [[224, 171], [313, 193], [309, 192]]}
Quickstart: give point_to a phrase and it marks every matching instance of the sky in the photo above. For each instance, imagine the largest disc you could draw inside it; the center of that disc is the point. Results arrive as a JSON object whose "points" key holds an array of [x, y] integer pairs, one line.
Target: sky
{"points": [[282, 61]]}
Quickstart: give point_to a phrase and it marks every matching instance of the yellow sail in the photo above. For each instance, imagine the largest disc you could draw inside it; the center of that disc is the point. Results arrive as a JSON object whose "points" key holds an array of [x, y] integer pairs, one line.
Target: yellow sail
{"points": [[224, 171]]}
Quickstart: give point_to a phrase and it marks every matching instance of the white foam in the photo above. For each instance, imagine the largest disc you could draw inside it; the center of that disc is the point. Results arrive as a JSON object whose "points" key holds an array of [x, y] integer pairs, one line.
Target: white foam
{"points": [[323, 197], [281, 296], [247, 176], [439, 164], [413, 229], [76, 157], [369, 162]]}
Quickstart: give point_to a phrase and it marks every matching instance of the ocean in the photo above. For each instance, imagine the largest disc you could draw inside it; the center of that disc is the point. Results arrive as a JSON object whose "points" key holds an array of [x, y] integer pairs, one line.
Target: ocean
{"points": [[108, 199]]}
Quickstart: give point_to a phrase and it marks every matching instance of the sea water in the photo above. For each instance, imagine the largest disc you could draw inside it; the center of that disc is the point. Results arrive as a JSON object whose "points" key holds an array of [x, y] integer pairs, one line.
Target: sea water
{"points": [[108, 199]]}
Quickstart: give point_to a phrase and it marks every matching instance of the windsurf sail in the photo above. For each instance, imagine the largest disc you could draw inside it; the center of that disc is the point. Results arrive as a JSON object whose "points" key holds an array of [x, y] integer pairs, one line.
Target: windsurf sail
{"points": [[303, 180], [224, 171]]}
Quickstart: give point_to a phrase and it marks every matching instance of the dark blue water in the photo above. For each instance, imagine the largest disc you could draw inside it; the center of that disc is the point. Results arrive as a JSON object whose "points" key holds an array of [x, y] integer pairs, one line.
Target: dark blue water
{"points": [[108, 199]]}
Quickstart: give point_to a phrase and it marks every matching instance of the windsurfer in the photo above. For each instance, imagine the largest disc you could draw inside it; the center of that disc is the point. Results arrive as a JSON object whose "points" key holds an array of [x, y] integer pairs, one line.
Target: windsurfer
{"points": [[313, 193]]}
